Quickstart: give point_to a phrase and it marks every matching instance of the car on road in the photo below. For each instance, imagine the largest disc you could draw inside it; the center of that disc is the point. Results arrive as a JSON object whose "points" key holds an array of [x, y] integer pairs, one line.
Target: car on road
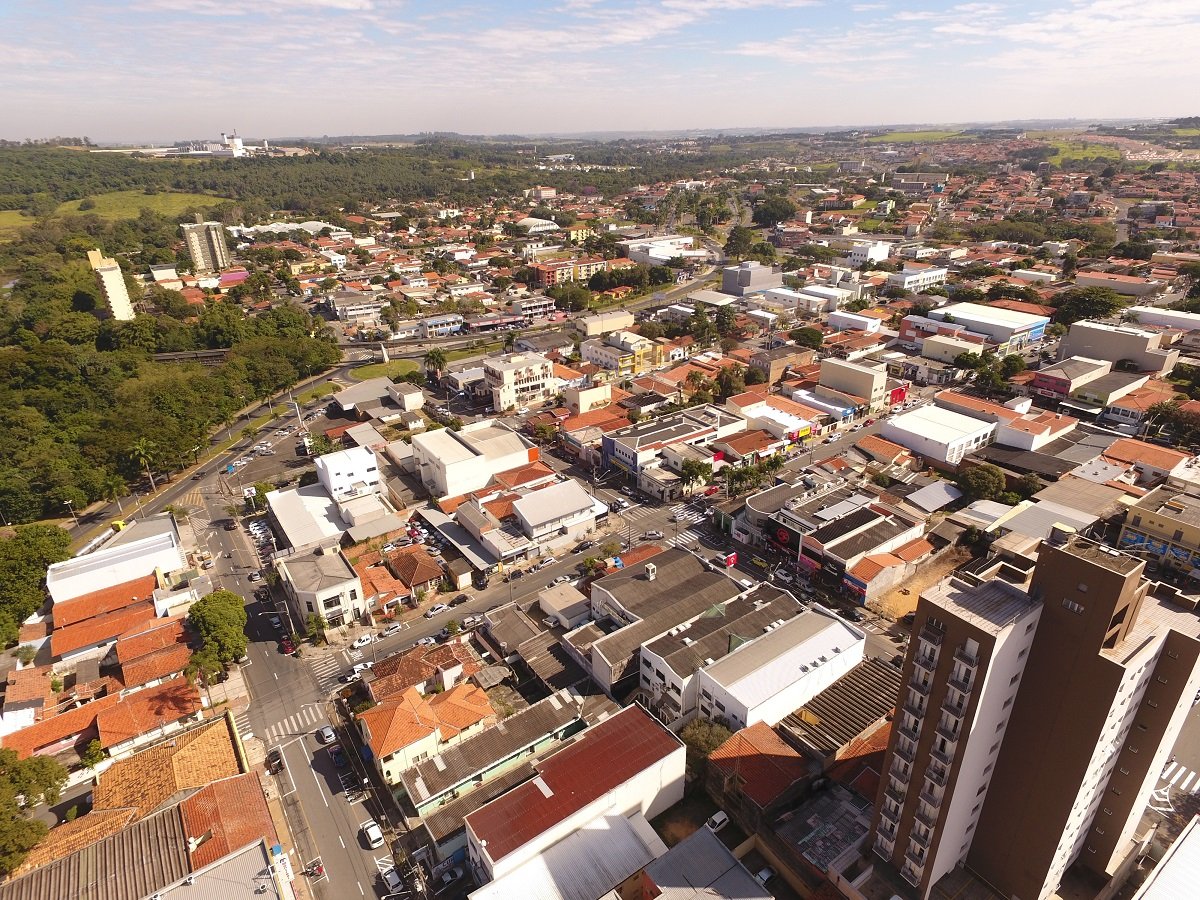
{"points": [[448, 877], [428, 641], [712, 490], [652, 536], [231, 525], [869, 422], [276, 623], [362, 641], [514, 574], [286, 645], [363, 666], [275, 761], [208, 564], [436, 610], [325, 735], [338, 756], [391, 879], [255, 576], [561, 579], [350, 677], [763, 875], [584, 545], [372, 833], [459, 600], [471, 621], [628, 491], [850, 615], [394, 628], [717, 821]]}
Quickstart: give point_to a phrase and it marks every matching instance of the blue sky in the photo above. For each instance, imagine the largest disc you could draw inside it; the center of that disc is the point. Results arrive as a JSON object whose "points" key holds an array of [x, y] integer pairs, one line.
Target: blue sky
{"points": [[141, 70]]}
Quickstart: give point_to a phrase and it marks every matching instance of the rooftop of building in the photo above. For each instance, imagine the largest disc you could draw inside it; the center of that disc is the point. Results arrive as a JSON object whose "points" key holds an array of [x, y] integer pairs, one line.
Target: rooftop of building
{"points": [[992, 606], [846, 709], [599, 760], [942, 425], [317, 568], [701, 867], [763, 764], [988, 315]]}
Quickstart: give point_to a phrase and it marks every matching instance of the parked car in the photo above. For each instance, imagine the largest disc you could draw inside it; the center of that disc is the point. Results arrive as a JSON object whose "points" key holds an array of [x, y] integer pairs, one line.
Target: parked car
{"points": [[459, 600], [325, 734], [387, 548], [255, 576], [436, 610], [286, 645], [471, 621], [713, 489], [561, 579], [276, 623], [275, 761], [394, 628], [850, 615], [391, 879], [653, 536], [717, 820], [208, 564], [338, 756], [362, 641], [363, 666], [372, 833], [425, 642], [584, 545], [350, 677], [763, 875], [448, 877]]}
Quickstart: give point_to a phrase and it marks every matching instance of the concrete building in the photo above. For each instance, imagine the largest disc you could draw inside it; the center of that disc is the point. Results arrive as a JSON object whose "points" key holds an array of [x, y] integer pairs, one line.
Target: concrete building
{"points": [[518, 379], [945, 349], [938, 434], [774, 364], [1145, 350], [206, 246], [863, 252], [869, 383], [1006, 330], [1164, 526], [348, 473], [623, 353], [604, 322], [748, 277], [563, 511], [1163, 317], [1128, 285], [454, 463], [918, 279], [619, 773], [1073, 728], [112, 286], [635, 446], [321, 580]]}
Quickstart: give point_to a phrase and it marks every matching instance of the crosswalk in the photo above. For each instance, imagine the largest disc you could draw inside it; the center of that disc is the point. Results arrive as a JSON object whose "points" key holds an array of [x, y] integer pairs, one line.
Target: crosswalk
{"points": [[1179, 778], [298, 723], [326, 670], [242, 720]]}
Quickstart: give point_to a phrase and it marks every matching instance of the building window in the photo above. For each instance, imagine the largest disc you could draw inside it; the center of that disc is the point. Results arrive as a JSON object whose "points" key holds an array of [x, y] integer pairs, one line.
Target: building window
{"points": [[646, 663], [353, 594], [1015, 678], [1072, 606]]}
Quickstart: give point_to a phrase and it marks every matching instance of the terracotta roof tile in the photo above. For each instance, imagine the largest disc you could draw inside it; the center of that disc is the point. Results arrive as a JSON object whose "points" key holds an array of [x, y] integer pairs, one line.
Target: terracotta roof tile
{"points": [[159, 664], [231, 812], [415, 666], [149, 636], [99, 628], [764, 764], [148, 709], [71, 837], [414, 566], [79, 722], [461, 707], [105, 600], [28, 685]]}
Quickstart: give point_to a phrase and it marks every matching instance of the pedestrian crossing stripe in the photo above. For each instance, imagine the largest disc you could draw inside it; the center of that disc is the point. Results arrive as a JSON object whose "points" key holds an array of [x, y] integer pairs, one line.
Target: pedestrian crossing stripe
{"points": [[1180, 778], [297, 723]]}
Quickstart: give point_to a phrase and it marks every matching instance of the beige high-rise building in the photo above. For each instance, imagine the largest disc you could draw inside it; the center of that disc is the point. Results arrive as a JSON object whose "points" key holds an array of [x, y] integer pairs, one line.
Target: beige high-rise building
{"points": [[1034, 724], [112, 284], [206, 246]]}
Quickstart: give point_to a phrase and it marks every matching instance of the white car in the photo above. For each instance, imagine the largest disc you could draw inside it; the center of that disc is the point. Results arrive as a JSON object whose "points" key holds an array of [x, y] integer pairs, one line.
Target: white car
{"points": [[435, 610], [391, 879], [362, 641], [373, 833], [394, 628], [361, 667]]}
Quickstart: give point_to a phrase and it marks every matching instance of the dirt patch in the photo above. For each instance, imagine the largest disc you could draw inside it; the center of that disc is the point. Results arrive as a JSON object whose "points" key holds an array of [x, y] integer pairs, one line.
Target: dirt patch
{"points": [[685, 817], [902, 600]]}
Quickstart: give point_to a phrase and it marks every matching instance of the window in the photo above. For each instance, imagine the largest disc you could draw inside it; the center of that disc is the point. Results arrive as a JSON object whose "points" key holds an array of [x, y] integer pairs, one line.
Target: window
{"points": [[353, 594], [1015, 678], [332, 603], [705, 694], [1030, 626], [660, 675], [720, 706], [1021, 655], [1116, 791], [1160, 679], [1072, 606], [1124, 771]]}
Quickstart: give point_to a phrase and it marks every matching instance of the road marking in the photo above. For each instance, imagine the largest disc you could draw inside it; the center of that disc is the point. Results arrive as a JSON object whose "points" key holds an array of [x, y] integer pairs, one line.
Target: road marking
{"points": [[1167, 771], [312, 771], [1183, 786], [360, 890], [1177, 775], [340, 841]]}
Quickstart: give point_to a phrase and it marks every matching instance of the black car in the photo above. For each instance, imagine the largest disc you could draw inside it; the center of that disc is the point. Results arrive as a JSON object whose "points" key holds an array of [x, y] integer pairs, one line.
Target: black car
{"points": [[274, 762], [850, 615], [584, 545], [459, 600]]}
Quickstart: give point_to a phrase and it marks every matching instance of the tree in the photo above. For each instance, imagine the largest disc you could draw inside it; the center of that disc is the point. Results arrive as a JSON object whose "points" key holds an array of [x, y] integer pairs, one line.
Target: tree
{"points": [[701, 737], [1087, 303], [143, 453], [982, 482], [435, 361], [694, 471], [316, 624], [807, 337], [24, 557], [545, 433], [92, 755], [772, 211], [220, 620], [24, 784], [1013, 364], [1028, 485], [968, 360], [739, 242]]}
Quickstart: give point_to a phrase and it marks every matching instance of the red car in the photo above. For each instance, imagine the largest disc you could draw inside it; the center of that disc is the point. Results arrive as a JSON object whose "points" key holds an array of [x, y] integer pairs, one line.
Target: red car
{"points": [[286, 645], [869, 422], [712, 490]]}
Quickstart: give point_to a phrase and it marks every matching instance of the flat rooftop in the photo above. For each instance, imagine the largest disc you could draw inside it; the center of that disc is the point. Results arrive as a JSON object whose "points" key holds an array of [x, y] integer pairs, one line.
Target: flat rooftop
{"points": [[939, 424], [991, 606]]}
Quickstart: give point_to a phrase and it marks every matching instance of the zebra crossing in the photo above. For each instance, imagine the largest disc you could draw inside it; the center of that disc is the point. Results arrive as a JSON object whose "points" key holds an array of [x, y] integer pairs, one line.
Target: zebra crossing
{"points": [[298, 723], [326, 670], [242, 720], [1180, 778]]}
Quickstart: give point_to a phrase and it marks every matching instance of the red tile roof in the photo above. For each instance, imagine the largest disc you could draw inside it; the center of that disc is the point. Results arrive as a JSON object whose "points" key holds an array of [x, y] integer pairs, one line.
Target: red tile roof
{"points": [[105, 600], [600, 760], [226, 816], [78, 723], [99, 628], [143, 639], [145, 710], [414, 566], [762, 762], [159, 664]]}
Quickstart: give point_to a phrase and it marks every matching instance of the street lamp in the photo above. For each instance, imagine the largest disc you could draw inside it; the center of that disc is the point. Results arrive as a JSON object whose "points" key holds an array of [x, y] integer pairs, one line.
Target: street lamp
{"points": [[299, 418], [71, 509]]}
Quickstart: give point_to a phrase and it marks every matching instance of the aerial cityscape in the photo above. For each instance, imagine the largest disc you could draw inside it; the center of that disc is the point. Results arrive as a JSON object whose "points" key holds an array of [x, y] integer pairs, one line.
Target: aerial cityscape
{"points": [[770, 471]]}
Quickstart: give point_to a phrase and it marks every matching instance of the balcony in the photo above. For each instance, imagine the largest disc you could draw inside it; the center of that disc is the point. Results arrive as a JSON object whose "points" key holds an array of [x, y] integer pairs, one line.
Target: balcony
{"points": [[930, 798], [928, 818], [965, 658], [932, 636], [906, 751], [943, 756], [953, 709], [920, 840], [911, 875], [917, 712], [922, 689], [937, 774], [910, 733], [894, 793], [916, 858], [959, 684], [950, 734], [926, 661]]}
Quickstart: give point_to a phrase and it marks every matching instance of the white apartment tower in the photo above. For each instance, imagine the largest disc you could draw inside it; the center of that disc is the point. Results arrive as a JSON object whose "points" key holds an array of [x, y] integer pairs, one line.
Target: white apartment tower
{"points": [[206, 246], [112, 284]]}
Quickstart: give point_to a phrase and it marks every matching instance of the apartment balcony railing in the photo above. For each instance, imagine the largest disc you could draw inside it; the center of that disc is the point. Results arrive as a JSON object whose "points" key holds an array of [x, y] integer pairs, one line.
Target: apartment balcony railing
{"points": [[932, 636], [966, 658]]}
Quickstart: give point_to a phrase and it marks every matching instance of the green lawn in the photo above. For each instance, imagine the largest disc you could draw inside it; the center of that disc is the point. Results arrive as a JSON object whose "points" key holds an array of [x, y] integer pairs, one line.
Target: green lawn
{"points": [[468, 352], [317, 390], [392, 369], [1068, 150], [11, 221], [1186, 132], [127, 204], [913, 137]]}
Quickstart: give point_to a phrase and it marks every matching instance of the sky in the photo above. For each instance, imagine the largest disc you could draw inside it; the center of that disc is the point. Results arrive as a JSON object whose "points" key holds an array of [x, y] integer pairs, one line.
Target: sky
{"points": [[139, 71]]}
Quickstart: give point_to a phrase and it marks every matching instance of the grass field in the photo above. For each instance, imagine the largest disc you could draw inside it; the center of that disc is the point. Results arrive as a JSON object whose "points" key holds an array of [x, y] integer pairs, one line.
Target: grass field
{"points": [[1186, 132], [913, 137], [11, 221], [127, 204], [1068, 150], [392, 369]]}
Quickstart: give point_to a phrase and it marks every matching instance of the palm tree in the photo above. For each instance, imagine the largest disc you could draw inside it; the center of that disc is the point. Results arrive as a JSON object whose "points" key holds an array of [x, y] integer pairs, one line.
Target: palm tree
{"points": [[510, 341], [695, 379], [143, 453], [435, 361], [113, 488]]}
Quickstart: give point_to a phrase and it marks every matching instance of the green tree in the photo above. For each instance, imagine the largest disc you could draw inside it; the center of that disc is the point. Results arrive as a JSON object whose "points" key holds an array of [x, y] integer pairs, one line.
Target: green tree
{"points": [[701, 737], [435, 362], [93, 754], [772, 211], [144, 452], [24, 556], [1087, 303], [24, 784], [739, 242], [220, 620], [807, 337], [1013, 364], [693, 471], [968, 360], [982, 482]]}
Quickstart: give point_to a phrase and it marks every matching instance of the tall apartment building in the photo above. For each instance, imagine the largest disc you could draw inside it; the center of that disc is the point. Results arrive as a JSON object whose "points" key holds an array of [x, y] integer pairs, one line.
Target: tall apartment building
{"points": [[112, 285], [1034, 725], [519, 379], [206, 245]]}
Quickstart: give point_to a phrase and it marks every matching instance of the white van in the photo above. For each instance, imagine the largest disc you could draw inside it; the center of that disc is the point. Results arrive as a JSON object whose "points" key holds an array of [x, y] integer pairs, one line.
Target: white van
{"points": [[718, 821]]}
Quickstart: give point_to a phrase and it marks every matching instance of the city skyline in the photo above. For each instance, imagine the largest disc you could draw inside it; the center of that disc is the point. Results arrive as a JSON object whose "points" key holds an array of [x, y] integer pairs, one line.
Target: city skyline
{"points": [[158, 70]]}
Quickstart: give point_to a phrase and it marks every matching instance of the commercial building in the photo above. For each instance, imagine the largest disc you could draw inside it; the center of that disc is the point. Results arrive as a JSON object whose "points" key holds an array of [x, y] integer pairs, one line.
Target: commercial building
{"points": [[1145, 350], [867, 383], [1164, 527], [112, 286], [439, 326], [1129, 285], [863, 252], [611, 779], [206, 246], [454, 463], [1038, 723], [623, 353], [561, 511], [348, 473], [321, 580], [604, 322], [938, 434], [701, 867], [748, 277], [1006, 330], [518, 379], [658, 251], [635, 446], [918, 279]]}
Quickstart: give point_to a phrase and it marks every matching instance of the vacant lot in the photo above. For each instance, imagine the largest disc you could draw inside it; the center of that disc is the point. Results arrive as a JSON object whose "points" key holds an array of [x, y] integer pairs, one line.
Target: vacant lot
{"points": [[1068, 150], [393, 369], [127, 204], [11, 221], [913, 137]]}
